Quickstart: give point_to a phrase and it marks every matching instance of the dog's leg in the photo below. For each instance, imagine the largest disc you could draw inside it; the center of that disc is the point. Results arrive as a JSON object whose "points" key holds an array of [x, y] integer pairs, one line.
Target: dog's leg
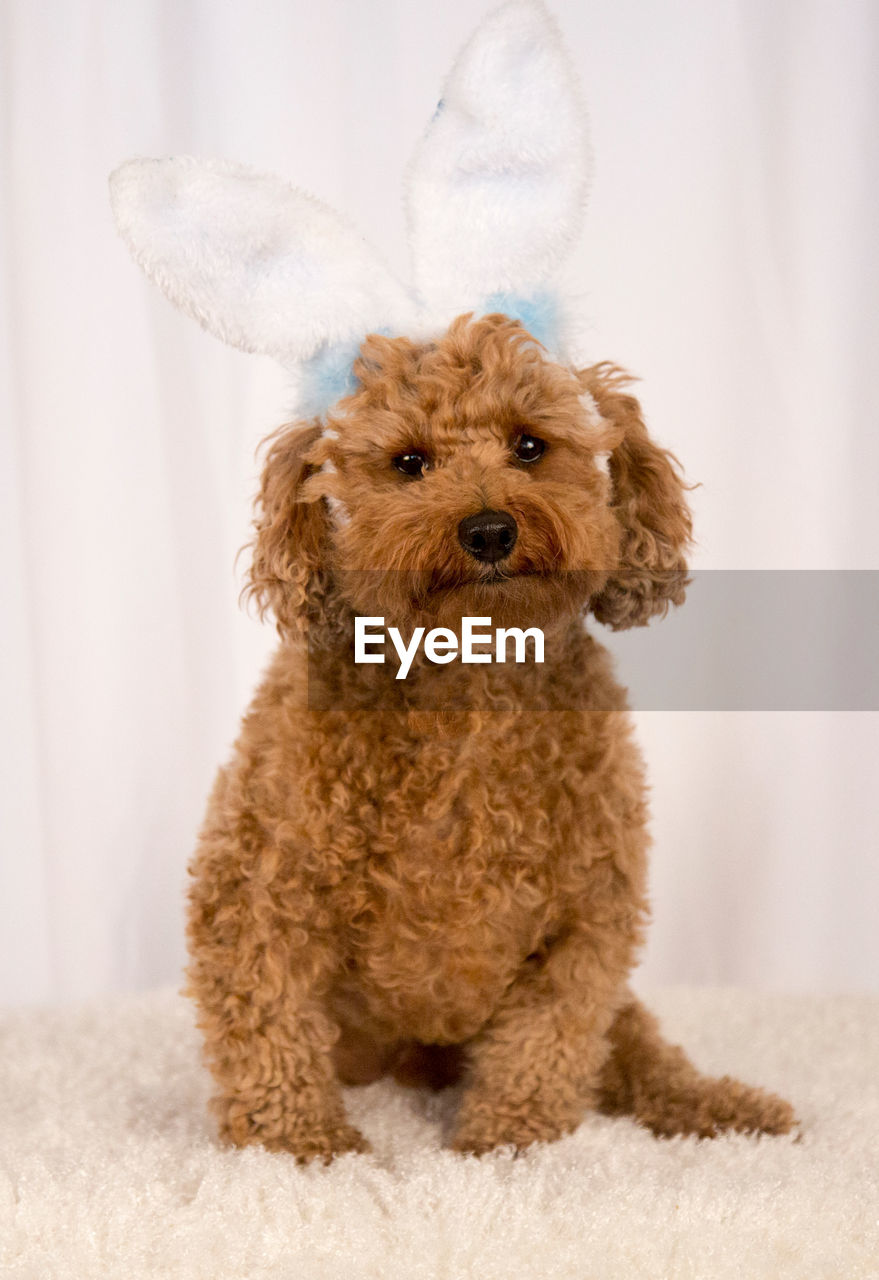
{"points": [[532, 1070], [269, 1047], [260, 968], [655, 1082]]}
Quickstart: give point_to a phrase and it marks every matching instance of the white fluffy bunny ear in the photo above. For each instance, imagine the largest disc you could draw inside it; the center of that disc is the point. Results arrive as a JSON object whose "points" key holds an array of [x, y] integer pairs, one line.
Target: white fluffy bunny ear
{"points": [[259, 264], [498, 184]]}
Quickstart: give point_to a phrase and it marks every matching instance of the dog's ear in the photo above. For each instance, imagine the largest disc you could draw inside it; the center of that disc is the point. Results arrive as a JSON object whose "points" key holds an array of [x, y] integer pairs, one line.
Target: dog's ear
{"points": [[649, 501], [287, 575]]}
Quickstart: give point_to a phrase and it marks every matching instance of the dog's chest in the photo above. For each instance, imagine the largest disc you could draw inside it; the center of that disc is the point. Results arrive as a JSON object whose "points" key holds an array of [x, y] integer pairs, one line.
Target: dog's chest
{"points": [[455, 885], [441, 923]]}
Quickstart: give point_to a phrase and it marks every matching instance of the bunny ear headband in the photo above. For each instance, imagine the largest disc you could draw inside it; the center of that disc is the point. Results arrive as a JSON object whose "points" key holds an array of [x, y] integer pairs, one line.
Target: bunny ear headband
{"points": [[495, 196]]}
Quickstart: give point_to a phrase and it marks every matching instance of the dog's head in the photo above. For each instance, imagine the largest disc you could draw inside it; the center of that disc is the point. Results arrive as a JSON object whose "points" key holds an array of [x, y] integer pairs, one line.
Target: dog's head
{"points": [[468, 472], [472, 475]]}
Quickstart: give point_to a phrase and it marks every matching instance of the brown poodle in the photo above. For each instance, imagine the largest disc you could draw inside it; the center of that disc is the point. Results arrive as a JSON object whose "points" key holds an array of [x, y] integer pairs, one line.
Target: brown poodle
{"points": [[443, 876]]}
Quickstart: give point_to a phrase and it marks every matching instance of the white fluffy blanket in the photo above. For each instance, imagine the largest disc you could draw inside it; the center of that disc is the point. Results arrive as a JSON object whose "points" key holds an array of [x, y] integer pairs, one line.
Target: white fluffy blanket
{"points": [[109, 1167]]}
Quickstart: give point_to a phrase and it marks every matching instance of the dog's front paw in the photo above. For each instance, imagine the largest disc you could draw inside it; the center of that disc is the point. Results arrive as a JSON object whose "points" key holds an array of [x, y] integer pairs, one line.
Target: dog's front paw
{"points": [[313, 1143], [482, 1128], [323, 1144], [287, 1130]]}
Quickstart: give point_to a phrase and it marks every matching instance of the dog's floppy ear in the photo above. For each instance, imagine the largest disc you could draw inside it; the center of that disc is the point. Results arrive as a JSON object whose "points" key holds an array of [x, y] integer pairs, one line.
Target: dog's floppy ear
{"points": [[649, 500], [287, 575]]}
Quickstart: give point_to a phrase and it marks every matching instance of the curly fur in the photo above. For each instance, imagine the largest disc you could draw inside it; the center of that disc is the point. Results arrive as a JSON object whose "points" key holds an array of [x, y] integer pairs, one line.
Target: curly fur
{"points": [[444, 876]]}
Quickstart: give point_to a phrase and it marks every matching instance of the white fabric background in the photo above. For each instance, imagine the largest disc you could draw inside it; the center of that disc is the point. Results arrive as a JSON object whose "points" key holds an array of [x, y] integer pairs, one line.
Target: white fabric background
{"points": [[730, 258]]}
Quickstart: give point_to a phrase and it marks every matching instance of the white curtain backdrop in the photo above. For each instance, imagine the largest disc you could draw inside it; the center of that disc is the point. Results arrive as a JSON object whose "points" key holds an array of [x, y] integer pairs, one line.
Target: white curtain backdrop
{"points": [[730, 258]]}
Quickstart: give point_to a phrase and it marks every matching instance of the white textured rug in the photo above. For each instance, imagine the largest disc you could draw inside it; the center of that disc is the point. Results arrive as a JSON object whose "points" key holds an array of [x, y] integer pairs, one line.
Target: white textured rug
{"points": [[108, 1166]]}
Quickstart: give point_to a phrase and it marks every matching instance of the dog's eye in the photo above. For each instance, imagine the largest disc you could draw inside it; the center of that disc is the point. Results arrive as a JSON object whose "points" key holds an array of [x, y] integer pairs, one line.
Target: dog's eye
{"points": [[528, 448], [413, 463]]}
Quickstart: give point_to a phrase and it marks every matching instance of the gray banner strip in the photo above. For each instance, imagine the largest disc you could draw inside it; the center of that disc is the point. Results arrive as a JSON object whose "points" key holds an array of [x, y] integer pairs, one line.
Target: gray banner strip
{"points": [[759, 640], [744, 640]]}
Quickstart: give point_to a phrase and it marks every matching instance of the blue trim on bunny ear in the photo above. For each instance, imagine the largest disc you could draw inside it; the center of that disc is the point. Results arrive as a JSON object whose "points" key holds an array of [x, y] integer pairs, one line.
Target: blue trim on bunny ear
{"points": [[327, 377], [538, 313]]}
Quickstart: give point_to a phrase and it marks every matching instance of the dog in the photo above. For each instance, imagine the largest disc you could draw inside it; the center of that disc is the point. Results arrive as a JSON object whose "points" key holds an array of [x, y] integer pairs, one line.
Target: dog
{"points": [[443, 877]]}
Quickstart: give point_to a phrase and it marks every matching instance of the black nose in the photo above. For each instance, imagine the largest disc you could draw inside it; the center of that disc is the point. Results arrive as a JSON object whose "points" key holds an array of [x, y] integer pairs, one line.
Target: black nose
{"points": [[489, 535]]}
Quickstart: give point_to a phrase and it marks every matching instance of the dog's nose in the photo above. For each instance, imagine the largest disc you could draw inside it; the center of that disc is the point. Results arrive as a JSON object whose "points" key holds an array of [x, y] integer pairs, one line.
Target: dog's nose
{"points": [[489, 535]]}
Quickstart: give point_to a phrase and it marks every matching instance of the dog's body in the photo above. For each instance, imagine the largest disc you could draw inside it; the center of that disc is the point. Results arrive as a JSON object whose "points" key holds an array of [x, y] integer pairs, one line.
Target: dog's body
{"points": [[444, 876], [441, 876]]}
